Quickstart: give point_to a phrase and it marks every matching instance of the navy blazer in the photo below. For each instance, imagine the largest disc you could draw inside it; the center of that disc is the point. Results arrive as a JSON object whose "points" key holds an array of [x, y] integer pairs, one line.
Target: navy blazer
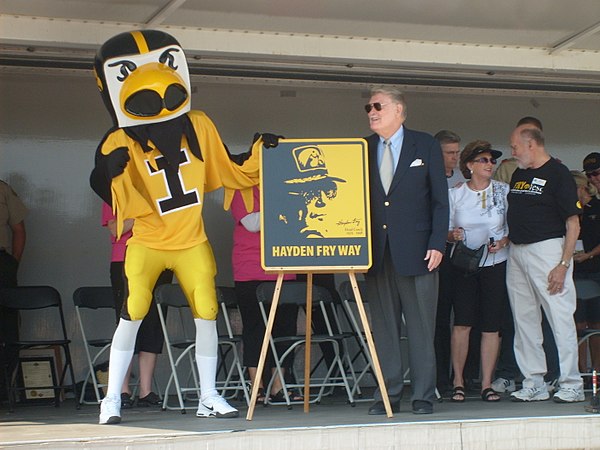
{"points": [[413, 216]]}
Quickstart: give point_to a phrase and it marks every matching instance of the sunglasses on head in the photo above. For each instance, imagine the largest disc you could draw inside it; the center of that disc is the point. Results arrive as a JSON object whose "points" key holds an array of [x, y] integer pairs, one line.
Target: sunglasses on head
{"points": [[484, 160], [595, 173], [378, 106]]}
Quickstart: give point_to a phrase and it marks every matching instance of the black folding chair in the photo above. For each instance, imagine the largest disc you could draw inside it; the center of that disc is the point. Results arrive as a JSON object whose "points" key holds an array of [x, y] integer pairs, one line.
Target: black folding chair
{"points": [[91, 302], [38, 298]]}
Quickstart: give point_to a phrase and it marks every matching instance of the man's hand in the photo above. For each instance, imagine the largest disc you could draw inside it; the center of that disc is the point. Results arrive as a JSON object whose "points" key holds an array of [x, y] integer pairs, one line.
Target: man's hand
{"points": [[581, 257], [115, 162], [269, 140], [434, 257], [556, 279]]}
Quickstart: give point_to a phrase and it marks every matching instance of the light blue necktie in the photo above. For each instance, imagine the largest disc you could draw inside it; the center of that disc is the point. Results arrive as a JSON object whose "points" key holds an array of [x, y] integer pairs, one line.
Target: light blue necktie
{"points": [[386, 169]]}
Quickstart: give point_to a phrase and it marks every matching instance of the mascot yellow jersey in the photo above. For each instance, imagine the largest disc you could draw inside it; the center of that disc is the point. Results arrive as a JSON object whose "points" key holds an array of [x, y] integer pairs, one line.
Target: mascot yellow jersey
{"points": [[166, 203]]}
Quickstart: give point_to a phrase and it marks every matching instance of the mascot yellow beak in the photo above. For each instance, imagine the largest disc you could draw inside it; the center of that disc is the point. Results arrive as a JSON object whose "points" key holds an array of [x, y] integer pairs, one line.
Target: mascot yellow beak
{"points": [[153, 91]]}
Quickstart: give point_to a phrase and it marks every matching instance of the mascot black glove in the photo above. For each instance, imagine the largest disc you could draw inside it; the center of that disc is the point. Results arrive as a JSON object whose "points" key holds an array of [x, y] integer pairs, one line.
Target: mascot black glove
{"points": [[269, 140], [115, 162], [108, 167]]}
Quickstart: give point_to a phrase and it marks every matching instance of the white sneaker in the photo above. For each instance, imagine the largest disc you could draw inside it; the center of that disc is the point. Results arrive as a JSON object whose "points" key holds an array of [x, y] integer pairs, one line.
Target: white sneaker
{"points": [[110, 410], [502, 385], [530, 395], [568, 395], [216, 406]]}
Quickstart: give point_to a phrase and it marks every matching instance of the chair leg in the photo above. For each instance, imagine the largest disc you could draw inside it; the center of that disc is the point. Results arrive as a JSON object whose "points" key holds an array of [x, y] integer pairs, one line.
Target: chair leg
{"points": [[10, 386]]}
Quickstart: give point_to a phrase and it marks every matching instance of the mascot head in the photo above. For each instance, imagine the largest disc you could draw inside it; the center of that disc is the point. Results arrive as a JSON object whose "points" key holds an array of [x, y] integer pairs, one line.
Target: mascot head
{"points": [[143, 78]]}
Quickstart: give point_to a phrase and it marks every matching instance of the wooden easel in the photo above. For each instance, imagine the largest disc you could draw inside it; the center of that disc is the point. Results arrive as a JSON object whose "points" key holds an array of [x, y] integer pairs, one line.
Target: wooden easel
{"points": [[267, 337]]}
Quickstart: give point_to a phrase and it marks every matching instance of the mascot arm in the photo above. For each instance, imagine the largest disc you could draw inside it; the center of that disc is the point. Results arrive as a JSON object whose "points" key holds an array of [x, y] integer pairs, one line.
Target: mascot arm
{"points": [[242, 177], [128, 202], [107, 165], [112, 178], [100, 185], [268, 140], [232, 172]]}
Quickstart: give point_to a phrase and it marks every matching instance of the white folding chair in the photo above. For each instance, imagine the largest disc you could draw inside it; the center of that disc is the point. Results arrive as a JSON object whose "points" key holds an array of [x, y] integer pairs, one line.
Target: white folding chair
{"points": [[362, 352], [230, 363], [294, 293], [180, 342], [347, 294]]}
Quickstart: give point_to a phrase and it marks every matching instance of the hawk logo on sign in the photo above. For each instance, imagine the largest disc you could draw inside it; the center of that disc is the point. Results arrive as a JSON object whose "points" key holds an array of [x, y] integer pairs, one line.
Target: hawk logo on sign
{"points": [[315, 203]]}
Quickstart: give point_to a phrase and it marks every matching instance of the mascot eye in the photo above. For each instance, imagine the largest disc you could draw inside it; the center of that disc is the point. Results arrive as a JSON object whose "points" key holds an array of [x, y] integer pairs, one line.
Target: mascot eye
{"points": [[168, 58], [126, 68]]}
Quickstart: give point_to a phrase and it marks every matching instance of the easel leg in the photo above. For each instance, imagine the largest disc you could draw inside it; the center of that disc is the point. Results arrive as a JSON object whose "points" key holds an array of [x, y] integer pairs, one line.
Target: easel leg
{"points": [[265, 346], [374, 358], [308, 338]]}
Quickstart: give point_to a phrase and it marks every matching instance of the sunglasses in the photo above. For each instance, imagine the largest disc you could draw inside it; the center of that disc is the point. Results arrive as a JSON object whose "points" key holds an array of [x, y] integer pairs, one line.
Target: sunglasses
{"points": [[595, 173], [484, 160], [378, 106]]}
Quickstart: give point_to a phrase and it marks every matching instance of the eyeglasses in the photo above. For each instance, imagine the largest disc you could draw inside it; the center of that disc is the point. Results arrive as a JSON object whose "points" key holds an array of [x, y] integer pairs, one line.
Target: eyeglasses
{"points": [[595, 173], [484, 160], [378, 106], [315, 194]]}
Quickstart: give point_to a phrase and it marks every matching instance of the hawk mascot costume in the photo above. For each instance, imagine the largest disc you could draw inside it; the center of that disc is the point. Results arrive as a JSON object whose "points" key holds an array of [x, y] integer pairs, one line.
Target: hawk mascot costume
{"points": [[154, 166]]}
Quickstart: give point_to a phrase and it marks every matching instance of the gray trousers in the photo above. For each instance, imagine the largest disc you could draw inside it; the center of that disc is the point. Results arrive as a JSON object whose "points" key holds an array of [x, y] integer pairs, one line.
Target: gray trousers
{"points": [[390, 296]]}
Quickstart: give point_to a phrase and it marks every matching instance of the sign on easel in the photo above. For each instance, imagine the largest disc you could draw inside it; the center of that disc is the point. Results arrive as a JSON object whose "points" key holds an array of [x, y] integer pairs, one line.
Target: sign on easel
{"points": [[315, 206], [315, 219]]}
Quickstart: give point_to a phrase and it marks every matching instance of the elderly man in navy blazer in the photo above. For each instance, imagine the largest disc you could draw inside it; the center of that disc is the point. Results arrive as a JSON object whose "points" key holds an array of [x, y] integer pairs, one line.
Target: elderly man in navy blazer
{"points": [[409, 221]]}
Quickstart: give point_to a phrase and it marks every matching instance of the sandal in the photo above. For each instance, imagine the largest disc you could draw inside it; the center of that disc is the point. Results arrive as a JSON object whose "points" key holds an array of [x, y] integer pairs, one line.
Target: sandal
{"points": [[261, 398], [458, 394], [279, 397], [149, 400], [489, 395]]}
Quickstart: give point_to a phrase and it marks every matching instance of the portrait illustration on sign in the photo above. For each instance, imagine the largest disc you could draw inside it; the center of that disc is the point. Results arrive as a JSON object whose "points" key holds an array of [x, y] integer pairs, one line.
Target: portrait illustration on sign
{"points": [[315, 203], [312, 193]]}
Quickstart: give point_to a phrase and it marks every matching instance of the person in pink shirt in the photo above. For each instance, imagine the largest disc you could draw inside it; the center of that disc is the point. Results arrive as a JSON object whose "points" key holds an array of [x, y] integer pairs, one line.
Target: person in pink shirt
{"points": [[247, 275], [150, 338]]}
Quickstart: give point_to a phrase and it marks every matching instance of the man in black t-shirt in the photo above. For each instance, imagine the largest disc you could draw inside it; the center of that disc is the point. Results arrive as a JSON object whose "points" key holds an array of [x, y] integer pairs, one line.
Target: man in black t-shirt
{"points": [[543, 228]]}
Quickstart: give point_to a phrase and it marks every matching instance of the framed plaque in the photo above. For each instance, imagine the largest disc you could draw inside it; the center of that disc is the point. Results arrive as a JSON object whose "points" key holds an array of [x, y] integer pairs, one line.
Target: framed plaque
{"points": [[39, 376], [315, 206]]}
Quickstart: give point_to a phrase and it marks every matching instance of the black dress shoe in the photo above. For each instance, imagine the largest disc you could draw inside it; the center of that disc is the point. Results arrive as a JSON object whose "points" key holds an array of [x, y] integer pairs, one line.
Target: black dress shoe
{"points": [[422, 407], [378, 408]]}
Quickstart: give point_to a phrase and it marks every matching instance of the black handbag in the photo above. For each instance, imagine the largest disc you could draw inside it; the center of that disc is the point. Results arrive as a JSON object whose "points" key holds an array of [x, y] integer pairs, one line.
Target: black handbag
{"points": [[465, 259]]}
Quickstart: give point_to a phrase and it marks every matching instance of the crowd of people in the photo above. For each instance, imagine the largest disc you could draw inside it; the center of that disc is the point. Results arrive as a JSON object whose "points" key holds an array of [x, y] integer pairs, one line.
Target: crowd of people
{"points": [[544, 212], [518, 307]]}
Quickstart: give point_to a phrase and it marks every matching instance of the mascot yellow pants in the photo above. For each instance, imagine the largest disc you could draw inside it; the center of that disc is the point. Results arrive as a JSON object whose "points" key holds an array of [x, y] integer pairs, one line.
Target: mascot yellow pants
{"points": [[194, 267]]}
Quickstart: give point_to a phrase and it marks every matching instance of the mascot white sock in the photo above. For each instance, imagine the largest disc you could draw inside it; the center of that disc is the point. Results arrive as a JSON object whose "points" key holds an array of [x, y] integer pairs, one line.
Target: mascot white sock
{"points": [[121, 352], [206, 355]]}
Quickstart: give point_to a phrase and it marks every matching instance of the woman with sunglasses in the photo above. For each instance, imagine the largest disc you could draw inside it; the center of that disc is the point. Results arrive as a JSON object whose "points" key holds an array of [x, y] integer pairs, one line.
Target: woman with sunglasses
{"points": [[478, 217]]}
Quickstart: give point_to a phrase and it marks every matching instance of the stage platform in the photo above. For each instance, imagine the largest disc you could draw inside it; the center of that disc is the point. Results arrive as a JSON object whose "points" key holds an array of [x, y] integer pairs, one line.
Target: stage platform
{"points": [[333, 424]]}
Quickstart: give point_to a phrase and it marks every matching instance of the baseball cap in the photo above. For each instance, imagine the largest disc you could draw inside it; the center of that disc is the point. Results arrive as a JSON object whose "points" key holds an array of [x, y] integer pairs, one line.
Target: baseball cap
{"points": [[591, 162]]}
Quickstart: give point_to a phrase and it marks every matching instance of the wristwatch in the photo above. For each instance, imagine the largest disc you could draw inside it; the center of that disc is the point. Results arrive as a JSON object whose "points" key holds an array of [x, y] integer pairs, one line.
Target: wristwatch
{"points": [[564, 263]]}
